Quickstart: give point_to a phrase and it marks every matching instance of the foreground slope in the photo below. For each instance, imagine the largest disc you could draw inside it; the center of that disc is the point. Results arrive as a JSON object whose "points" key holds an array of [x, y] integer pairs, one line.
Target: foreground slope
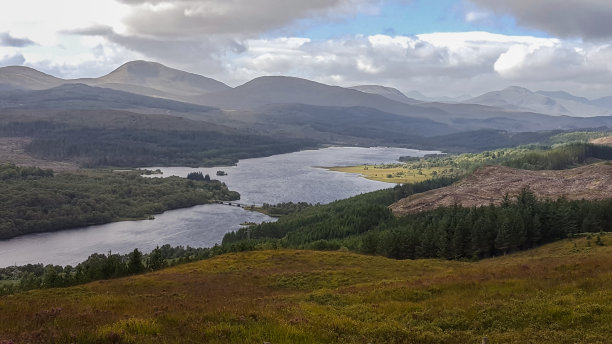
{"points": [[490, 184], [558, 293]]}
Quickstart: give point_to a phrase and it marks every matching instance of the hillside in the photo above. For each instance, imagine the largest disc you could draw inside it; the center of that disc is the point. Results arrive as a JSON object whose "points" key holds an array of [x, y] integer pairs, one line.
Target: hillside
{"points": [[603, 141], [387, 92], [551, 103], [558, 293], [489, 184], [139, 77]]}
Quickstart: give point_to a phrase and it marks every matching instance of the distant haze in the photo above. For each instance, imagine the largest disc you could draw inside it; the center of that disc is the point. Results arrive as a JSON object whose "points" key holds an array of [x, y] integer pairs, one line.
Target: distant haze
{"points": [[444, 50]]}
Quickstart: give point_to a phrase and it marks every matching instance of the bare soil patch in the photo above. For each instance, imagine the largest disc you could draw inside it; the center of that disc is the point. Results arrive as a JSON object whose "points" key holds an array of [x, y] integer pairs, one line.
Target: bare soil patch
{"points": [[489, 185], [603, 141]]}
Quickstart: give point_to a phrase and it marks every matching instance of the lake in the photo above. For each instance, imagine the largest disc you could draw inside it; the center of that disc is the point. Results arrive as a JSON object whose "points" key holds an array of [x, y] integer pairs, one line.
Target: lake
{"points": [[295, 177]]}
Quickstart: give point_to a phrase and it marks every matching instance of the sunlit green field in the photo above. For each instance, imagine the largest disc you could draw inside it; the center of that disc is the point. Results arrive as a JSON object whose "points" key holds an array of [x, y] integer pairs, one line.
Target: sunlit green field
{"points": [[559, 293], [394, 173]]}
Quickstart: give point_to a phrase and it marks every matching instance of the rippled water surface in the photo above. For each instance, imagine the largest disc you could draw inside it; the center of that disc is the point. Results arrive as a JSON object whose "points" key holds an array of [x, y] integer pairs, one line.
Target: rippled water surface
{"points": [[280, 178]]}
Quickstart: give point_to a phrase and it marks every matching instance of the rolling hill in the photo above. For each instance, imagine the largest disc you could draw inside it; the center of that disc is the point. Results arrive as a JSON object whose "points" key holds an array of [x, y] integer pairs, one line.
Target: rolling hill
{"points": [[557, 293], [81, 96]]}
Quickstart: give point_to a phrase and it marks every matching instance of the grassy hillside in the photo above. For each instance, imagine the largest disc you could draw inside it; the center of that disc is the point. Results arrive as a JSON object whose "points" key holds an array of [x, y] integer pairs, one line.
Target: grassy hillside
{"points": [[569, 152], [558, 293]]}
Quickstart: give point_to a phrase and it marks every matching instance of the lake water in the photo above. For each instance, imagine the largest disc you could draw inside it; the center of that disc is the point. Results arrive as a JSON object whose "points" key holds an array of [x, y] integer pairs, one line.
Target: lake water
{"points": [[280, 178]]}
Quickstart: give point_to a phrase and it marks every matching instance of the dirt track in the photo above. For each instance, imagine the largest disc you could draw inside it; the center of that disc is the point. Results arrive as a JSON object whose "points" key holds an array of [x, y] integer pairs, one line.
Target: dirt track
{"points": [[489, 185]]}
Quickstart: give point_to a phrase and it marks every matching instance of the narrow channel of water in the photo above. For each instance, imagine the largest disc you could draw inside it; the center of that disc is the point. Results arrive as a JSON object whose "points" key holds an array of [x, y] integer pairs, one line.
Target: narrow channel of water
{"points": [[280, 178]]}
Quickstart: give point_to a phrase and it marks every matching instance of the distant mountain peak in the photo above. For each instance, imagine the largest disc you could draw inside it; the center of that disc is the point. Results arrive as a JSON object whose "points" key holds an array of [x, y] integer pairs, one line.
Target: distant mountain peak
{"points": [[157, 76], [517, 89], [140, 68], [385, 91], [22, 77]]}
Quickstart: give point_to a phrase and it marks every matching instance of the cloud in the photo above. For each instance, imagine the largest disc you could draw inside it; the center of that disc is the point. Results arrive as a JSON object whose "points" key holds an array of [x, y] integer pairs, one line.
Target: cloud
{"points": [[245, 18], [12, 60], [436, 64], [588, 19], [9, 41]]}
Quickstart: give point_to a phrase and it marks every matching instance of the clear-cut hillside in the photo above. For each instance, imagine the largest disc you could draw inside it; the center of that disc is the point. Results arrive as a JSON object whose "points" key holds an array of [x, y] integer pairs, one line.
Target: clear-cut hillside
{"points": [[603, 141], [489, 185]]}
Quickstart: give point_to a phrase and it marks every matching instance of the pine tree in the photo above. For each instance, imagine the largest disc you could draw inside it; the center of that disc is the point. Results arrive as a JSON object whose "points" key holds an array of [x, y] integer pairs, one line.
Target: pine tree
{"points": [[135, 264], [504, 237], [156, 260]]}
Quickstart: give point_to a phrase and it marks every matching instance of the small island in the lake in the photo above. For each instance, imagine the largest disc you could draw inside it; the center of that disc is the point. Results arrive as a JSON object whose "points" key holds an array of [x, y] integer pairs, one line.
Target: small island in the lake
{"points": [[221, 173]]}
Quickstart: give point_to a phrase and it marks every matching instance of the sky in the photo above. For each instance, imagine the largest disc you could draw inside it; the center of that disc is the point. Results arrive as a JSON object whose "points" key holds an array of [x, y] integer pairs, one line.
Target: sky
{"points": [[437, 47]]}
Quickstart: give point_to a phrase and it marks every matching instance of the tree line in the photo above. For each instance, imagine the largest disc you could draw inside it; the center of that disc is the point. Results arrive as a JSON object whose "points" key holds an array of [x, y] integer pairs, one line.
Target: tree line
{"points": [[365, 224], [96, 267], [47, 203], [125, 147]]}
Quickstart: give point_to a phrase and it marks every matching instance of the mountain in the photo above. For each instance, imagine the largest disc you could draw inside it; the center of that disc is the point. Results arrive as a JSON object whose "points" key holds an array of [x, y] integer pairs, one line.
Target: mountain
{"points": [[290, 90], [563, 95], [387, 92], [17, 77], [605, 102], [80, 96], [349, 125], [518, 98], [420, 96], [141, 76]]}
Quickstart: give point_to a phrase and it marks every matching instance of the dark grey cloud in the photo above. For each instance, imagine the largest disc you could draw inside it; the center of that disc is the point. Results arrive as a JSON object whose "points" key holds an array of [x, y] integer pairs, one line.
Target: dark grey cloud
{"points": [[588, 19], [7, 40], [235, 17], [12, 60]]}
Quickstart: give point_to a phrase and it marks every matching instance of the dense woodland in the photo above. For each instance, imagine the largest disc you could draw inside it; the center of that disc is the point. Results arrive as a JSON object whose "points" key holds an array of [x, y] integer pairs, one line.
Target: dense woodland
{"points": [[365, 224], [122, 147], [35, 200]]}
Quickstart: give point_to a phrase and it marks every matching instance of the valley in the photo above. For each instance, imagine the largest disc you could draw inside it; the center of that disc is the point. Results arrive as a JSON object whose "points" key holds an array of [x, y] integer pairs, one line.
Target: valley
{"points": [[500, 206]]}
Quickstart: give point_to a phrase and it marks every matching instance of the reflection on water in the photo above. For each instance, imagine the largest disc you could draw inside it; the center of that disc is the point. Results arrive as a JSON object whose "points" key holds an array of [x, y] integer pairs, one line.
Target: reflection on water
{"points": [[280, 178], [296, 177]]}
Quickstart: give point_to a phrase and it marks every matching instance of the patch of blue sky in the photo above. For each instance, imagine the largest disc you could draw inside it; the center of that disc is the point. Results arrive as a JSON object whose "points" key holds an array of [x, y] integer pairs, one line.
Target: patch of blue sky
{"points": [[409, 19]]}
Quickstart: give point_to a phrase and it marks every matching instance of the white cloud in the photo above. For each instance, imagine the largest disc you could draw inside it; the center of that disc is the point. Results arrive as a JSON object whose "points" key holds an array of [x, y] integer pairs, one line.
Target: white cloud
{"points": [[437, 63]]}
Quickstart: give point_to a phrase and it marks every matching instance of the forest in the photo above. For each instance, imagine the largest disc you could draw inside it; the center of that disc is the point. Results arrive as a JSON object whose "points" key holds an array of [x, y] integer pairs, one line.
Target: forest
{"points": [[35, 200], [365, 224], [127, 147]]}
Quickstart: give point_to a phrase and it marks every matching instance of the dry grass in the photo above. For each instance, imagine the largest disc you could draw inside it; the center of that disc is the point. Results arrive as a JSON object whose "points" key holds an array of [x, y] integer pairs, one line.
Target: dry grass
{"points": [[559, 293]]}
